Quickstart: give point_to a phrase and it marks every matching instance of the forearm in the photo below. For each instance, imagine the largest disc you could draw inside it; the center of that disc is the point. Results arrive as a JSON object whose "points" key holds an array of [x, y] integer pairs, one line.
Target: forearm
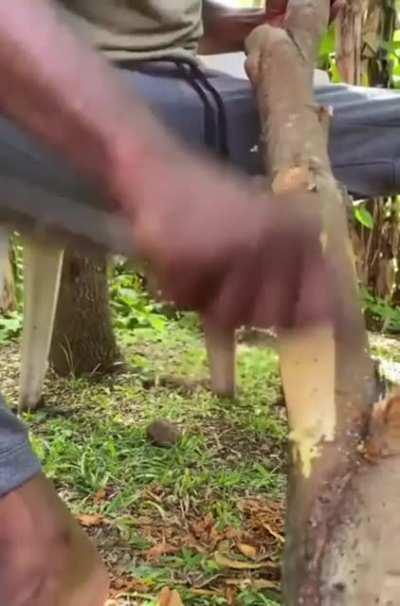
{"points": [[47, 558], [226, 29], [60, 90]]}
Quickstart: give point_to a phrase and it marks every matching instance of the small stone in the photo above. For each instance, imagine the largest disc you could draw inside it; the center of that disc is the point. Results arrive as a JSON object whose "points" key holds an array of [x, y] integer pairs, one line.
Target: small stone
{"points": [[163, 433]]}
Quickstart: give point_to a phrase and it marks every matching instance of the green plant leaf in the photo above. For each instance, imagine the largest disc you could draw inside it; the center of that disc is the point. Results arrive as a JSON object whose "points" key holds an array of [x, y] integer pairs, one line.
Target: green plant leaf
{"points": [[364, 217]]}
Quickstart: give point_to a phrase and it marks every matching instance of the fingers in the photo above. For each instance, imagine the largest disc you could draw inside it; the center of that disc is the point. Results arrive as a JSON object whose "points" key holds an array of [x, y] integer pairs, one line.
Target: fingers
{"points": [[283, 281], [234, 301], [277, 295], [315, 301], [256, 264]]}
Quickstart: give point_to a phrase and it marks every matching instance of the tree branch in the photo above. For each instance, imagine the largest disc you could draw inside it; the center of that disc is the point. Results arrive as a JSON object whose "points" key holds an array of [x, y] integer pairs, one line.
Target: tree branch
{"points": [[327, 373]]}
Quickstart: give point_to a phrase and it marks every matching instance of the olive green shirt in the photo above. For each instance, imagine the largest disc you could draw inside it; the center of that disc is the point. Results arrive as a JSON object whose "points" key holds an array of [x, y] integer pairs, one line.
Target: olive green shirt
{"points": [[138, 29]]}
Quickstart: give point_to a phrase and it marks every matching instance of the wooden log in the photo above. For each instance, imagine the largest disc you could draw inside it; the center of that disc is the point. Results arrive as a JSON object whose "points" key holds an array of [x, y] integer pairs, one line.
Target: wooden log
{"points": [[327, 373]]}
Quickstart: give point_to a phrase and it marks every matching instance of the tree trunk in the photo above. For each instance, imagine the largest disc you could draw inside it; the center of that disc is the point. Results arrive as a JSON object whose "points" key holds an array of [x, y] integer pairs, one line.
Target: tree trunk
{"points": [[339, 524], [83, 339], [362, 27], [350, 40]]}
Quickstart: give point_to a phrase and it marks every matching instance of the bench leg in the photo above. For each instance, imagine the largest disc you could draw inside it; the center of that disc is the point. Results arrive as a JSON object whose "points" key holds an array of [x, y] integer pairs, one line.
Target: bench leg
{"points": [[221, 358], [42, 273]]}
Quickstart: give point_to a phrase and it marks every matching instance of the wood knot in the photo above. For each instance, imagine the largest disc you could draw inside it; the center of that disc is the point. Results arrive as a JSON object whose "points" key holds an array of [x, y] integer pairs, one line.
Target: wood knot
{"points": [[295, 178]]}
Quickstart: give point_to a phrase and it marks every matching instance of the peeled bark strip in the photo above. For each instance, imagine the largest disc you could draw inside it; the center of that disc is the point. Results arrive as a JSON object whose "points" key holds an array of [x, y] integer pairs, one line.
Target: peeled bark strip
{"points": [[333, 507]]}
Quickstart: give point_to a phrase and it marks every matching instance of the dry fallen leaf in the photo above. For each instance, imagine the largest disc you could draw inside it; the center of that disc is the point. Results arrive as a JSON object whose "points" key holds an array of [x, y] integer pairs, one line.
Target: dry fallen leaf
{"points": [[158, 550], [205, 532], [226, 562], [126, 584], [169, 597], [232, 533], [204, 526], [273, 533], [100, 495], [88, 520], [230, 595], [247, 550]]}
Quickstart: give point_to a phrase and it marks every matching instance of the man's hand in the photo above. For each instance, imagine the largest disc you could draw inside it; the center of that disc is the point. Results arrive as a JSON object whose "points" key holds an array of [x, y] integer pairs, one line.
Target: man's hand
{"points": [[276, 10], [235, 254], [45, 558], [215, 244]]}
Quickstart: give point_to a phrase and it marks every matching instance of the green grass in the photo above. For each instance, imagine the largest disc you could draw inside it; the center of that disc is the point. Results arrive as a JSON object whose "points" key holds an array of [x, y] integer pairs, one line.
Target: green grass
{"points": [[159, 516], [163, 517], [225, 474]]}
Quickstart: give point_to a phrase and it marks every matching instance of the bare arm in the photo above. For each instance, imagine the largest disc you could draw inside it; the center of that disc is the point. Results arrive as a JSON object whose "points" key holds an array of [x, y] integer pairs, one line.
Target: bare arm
{"points": [[60, 90], [199, 226]]}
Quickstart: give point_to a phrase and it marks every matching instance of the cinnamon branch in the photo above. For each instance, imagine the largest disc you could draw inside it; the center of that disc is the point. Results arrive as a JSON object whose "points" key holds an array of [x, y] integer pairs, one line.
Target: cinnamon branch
{"points": [[327, 373]]}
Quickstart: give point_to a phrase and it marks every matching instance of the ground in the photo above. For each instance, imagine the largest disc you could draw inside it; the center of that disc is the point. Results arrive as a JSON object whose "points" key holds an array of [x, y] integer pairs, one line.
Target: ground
{"points": [[203, 517]]}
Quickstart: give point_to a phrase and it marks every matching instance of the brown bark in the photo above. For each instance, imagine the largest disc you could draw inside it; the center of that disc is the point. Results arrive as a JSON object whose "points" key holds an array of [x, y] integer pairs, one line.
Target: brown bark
{"points": [[327, 373], [350, 41], [361, 28], [83, 338]]}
